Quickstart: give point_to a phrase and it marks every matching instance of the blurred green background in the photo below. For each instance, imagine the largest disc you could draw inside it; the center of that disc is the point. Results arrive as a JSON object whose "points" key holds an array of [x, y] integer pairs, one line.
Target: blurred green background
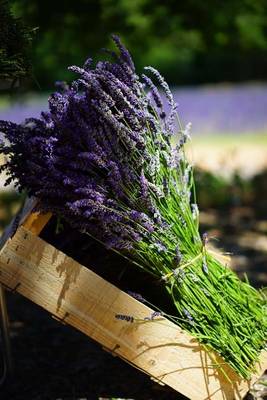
{"points": [[190, 42]]}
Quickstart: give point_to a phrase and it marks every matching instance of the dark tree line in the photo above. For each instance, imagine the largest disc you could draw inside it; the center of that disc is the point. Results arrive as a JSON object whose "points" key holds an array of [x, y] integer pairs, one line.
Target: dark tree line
{"points": [[15, 41]]}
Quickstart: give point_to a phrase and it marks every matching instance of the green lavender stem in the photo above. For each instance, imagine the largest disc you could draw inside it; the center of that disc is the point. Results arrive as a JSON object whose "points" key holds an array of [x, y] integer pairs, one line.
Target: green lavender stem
{"points": [[228, 314], [213, 304]]}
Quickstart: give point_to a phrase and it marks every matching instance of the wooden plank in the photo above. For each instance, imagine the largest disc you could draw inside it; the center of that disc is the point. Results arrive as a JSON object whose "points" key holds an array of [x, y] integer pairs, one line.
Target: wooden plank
{"points": [[33, 221], [79, 297], [19, 218]]}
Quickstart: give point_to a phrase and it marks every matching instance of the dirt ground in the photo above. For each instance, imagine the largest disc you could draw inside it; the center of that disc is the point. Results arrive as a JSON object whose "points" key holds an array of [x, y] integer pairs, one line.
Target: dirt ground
{"points": [[228, 154]]}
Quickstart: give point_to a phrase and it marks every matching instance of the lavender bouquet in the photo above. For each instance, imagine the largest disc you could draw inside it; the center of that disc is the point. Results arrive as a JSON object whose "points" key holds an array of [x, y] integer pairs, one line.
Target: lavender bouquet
{"points": [[104, 159]]}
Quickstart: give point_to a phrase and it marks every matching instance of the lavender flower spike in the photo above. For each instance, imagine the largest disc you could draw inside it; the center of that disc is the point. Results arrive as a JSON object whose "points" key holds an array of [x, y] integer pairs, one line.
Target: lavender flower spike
{"points": [[163, 84]]}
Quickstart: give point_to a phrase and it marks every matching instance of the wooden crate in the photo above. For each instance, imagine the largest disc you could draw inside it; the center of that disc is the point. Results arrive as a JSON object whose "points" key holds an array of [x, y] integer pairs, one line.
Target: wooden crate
{"points": [[77, 296]]}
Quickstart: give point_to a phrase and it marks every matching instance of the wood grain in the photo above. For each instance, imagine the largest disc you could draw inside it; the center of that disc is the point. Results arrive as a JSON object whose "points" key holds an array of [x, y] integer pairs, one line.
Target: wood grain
{"points": [[79, 297]]}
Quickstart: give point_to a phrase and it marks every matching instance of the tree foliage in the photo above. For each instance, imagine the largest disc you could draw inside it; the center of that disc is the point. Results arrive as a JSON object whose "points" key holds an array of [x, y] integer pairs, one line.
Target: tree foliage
{"points": [[14, 45]]}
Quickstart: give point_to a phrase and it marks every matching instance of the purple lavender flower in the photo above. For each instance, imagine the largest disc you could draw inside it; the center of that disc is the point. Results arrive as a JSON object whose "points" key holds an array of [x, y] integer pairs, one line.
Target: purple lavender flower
{"points": [[164, 85], [127, 318], [143, 185], [154, 92], [153, 315], [124, 53], [178, 257], [159, 246], [188, 316], [156, 314], [90, 151], [136, 296], [205, 238]]}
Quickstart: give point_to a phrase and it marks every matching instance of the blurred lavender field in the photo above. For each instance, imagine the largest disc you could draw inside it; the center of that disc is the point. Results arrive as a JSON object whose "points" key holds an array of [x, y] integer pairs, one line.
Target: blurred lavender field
{"points": [[224, 109], [211, 109], [220, 115]]}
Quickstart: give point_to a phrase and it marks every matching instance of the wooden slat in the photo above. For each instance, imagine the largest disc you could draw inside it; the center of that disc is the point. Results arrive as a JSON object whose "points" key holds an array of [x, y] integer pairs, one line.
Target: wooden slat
{"points": [[33, 221], [18, 219], [79, 297]]}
